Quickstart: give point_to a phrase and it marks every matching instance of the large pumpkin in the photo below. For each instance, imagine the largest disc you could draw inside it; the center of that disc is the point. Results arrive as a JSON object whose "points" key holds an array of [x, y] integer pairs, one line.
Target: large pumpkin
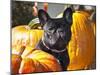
{"points": [[25, 58], [81, 47], [28, 60]]}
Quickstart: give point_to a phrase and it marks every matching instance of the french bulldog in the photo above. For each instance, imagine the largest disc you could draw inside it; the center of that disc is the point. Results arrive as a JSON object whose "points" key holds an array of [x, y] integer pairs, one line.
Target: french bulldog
{"points": [[57, 34]]}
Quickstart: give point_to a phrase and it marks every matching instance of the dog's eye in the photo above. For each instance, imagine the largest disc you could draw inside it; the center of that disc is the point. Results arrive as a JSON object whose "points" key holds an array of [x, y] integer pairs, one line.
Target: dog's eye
{"points": [[51, 28], [49, 32]]}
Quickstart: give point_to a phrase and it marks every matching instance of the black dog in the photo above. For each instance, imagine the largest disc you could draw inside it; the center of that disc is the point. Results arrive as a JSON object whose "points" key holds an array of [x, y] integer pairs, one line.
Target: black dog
{"points": [[57, 34]]}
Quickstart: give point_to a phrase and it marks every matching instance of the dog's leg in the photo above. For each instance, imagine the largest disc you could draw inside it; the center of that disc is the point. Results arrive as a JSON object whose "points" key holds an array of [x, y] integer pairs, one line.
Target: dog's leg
{"points": [[63, 59]]}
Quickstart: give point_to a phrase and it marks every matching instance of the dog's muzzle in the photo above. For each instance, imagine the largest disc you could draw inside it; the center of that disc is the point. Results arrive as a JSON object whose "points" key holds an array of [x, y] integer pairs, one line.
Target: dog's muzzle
{"points": [[53, 50]]}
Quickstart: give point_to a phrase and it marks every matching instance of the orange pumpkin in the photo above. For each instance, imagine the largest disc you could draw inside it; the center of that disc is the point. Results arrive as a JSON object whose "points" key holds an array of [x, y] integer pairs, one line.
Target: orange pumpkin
{"points": [[81, 47], [28, 60], [24, 58], [23, 35]]}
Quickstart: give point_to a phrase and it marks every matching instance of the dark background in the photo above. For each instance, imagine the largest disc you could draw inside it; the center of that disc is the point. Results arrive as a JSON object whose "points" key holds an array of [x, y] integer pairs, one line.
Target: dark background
{"points": [[21, 12]]}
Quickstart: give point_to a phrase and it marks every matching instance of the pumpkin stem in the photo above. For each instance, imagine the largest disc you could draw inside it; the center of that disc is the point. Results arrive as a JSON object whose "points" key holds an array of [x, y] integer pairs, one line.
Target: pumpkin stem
{"points": [[34, 23]]}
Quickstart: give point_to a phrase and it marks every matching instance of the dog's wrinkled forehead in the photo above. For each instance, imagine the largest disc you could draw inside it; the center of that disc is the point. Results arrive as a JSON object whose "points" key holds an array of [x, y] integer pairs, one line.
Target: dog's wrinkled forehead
{"points": [[56, 23], [45, 19]]}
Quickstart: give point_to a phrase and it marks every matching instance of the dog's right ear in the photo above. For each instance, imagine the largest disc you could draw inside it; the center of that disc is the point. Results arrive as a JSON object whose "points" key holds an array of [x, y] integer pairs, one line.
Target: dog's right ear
{"points": [[68, 15], [43, 16]]}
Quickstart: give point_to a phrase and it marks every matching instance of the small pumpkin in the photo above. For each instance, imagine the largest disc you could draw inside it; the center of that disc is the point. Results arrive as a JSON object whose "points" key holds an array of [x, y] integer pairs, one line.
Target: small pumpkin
{"points": [[28, 60], [24, 35]]}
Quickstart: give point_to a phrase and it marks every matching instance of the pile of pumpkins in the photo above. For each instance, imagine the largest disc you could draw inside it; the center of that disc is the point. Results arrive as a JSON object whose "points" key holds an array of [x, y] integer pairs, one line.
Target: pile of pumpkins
{"points": [[81, 48]]}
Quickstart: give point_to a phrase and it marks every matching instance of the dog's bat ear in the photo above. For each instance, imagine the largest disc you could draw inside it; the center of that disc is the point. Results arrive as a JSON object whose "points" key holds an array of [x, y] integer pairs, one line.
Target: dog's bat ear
{"points": [[43, 16], [67, 15]]}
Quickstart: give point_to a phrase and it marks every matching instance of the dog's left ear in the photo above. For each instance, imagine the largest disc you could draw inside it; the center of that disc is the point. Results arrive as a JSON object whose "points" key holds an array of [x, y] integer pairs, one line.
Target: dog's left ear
{"points": [[68, 15], [43, 16]]}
